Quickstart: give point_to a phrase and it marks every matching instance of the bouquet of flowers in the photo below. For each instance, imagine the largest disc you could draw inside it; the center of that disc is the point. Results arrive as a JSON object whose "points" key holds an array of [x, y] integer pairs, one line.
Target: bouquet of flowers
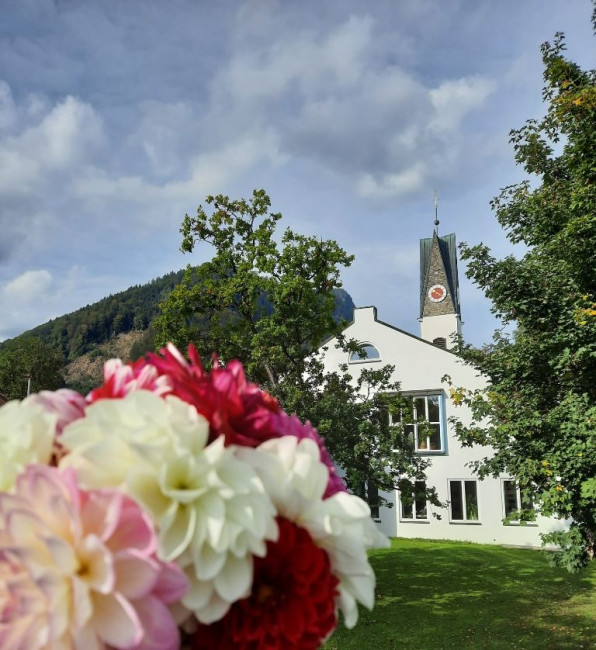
{"points": [[173, 507]]}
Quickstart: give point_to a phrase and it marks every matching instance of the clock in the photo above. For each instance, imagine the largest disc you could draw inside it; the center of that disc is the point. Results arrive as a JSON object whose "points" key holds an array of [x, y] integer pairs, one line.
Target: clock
{"points": [[437, 293]]}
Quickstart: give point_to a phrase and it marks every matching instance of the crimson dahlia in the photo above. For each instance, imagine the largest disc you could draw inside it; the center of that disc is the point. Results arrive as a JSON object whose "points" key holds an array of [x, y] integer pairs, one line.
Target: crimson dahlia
{"points": [[234, 407], [291, 606]]}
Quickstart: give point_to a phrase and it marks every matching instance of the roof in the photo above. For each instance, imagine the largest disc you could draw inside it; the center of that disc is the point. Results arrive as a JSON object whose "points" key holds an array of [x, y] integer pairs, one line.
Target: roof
{"points": [[448, 250], [392, 327]]}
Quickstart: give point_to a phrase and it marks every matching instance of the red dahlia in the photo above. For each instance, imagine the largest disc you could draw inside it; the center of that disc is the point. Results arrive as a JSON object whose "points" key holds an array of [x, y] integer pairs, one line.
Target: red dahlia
{"points": [[291, 606]]}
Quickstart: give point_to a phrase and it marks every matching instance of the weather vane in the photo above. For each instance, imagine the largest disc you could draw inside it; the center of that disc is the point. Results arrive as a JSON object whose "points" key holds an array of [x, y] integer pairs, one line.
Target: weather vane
{"points": [[436, 213]]}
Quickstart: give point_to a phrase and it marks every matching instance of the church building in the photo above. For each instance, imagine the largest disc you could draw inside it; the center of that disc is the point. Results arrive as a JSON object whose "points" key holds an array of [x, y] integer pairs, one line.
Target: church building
{"points": [[474, 509]]}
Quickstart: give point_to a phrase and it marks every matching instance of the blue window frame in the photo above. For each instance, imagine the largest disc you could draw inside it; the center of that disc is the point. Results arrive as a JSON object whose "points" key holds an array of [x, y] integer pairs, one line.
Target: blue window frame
{"points": [[425, 424]]}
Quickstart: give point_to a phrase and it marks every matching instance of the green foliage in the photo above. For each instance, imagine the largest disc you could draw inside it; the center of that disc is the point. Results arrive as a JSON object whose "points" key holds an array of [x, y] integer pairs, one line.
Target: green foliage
{"points": [[28, 358], [270, 301], [257, 301], [539, 414]]}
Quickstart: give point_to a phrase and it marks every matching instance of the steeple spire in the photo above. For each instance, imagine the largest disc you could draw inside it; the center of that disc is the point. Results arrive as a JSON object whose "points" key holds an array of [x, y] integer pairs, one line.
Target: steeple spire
{"points": [[440, 315]]}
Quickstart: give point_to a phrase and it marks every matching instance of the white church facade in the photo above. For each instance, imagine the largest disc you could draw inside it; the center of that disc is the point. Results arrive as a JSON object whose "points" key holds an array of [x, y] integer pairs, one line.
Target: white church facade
{"points": [[474, 509]]}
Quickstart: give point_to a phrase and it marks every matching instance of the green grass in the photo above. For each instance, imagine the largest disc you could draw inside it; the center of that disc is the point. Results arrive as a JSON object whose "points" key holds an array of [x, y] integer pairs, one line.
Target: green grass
{"points": [[456, 595]]}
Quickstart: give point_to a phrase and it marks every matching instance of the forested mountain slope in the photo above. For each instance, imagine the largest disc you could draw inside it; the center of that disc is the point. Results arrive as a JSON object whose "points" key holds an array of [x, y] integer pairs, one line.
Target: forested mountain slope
{"points": [[116, 326]]}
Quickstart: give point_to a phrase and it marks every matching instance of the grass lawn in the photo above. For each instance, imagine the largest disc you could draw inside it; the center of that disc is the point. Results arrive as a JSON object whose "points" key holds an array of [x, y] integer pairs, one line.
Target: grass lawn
{"points": [[456, 595]]}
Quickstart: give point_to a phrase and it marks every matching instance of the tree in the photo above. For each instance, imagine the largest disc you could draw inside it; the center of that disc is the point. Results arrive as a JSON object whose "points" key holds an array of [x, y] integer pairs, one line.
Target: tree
{"points": [[25, 359], [539, 412], [271, 306]]}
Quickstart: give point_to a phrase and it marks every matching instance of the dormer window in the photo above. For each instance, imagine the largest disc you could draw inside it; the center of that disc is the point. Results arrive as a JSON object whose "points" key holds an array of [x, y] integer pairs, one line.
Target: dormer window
{"points": [[366, 352]]}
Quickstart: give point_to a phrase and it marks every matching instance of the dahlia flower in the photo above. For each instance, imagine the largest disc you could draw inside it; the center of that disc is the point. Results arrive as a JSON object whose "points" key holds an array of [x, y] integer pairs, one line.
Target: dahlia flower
{"points": [[26, 436], [210, 509], [136, 431], [119, 379], [296, 479], [291, 604], [79, 569], [234, 407], [292, 426], [67, 404]]}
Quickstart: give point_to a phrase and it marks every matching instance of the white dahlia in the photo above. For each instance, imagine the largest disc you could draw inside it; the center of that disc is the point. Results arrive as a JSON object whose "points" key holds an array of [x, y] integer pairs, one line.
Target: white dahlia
{"points": [[27, 432], [296, 479], [211, 511]]}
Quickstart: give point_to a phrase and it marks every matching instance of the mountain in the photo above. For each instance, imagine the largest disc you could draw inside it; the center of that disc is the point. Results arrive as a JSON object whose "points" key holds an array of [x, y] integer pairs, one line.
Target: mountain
{"points": [[119, 326], [83, 330]]}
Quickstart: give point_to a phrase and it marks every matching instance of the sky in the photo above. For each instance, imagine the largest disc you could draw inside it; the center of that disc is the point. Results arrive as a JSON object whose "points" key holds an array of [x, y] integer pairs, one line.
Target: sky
{"points": [[118, 117]]}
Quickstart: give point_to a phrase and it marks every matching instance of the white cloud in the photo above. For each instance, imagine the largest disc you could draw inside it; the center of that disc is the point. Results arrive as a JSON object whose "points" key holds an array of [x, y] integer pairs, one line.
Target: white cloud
{"points": [[28, 286], [7, 107], [391, 185], [453, 99], [61, 139]]}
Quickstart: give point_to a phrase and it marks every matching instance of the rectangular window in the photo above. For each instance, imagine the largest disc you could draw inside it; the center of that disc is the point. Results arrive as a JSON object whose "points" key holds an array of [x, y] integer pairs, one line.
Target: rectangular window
{"points": [[463, 501], [413, 502], [423, 425], [373, 500], [512, 499]]}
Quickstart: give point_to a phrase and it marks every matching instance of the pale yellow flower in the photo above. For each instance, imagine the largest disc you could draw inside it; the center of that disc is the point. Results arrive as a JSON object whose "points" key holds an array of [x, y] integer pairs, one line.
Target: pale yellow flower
{"points": [[26, 436]]}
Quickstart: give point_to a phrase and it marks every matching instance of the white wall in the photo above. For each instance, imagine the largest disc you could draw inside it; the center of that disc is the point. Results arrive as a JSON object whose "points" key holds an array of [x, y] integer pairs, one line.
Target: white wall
{"points": [[443, 325]]}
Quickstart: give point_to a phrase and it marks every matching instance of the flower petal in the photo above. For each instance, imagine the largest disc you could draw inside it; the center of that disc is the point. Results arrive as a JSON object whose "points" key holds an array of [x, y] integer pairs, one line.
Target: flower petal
{"points": [[116, 622], [136, 575], [174, 539], [161, 632], [234, 580]]}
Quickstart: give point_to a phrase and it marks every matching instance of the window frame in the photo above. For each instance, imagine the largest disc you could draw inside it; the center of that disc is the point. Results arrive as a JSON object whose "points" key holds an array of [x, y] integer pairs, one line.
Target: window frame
{"points": [[465, 520], [442, 421], [506, 517], [364, 344], [373, 502]]}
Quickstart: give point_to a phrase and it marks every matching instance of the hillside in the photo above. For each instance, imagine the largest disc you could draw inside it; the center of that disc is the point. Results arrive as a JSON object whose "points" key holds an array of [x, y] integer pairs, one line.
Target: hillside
{"points": [[118, 326], [81, 331]]}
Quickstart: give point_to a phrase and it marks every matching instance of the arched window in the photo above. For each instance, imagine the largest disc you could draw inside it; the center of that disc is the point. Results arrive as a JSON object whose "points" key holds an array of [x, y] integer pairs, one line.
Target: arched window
{"points": [[440, 342], [367, 352]]}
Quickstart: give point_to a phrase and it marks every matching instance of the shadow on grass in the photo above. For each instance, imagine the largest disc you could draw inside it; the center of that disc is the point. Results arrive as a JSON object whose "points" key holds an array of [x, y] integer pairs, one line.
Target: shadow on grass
{"points": [[451, 595]]}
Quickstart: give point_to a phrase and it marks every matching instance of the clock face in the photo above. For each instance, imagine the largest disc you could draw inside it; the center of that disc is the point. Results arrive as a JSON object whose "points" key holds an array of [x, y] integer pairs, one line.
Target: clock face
{"points": [[437, 293]]}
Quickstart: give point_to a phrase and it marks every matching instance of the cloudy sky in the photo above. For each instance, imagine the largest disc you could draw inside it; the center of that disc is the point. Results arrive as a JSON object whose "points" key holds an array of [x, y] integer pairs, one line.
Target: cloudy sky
{"points": [[119, 116]]}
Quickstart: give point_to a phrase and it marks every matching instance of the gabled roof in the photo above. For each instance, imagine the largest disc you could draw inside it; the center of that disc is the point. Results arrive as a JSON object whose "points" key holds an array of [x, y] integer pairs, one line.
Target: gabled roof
{"points": [[448, 250], [395, 329]]}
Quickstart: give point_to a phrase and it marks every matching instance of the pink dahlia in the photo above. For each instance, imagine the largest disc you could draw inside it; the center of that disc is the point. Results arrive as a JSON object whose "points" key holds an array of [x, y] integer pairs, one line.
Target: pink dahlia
{"points": [[119, 379], [67, 404], [291, 606], [79, 569], [235, 408]]}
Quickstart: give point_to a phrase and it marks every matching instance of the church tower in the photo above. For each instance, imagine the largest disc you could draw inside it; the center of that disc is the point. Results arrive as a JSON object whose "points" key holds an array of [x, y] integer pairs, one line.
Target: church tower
{"points": [[440, 314]]}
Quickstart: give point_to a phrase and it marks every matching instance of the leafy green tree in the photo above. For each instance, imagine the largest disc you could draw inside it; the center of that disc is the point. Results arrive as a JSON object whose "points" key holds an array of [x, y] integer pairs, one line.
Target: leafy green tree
{"points": [[257, 301], [539, 413], [25, 359], [271, 305]]}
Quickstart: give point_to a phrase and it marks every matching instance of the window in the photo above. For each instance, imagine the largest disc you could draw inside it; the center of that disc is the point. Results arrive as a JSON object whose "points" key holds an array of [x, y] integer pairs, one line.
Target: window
{"points": [[424, 427], [512, 500], [413, 502], [367, 352], [373, 500], [369, 492], [440, 342], [463, 504]]}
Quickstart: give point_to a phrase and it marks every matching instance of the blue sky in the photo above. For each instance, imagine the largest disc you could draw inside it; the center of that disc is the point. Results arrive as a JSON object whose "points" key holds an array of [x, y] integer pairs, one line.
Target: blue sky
{"points": [[118, 117]]}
